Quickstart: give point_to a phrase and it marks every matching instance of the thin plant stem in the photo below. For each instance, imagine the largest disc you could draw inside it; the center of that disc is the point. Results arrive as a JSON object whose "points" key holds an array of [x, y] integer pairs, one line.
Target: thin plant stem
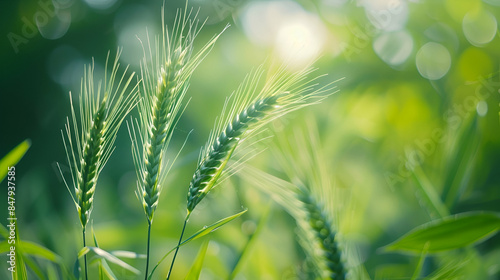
{"points": [[147, 252], [177, 249], [85, 256]]}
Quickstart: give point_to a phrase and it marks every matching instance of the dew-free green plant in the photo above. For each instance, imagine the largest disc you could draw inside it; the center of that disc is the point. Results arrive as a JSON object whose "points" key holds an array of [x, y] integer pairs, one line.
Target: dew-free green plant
{"points": [[167, 65], [251, 107], [308, 196], [89, 136], [165, 80]]}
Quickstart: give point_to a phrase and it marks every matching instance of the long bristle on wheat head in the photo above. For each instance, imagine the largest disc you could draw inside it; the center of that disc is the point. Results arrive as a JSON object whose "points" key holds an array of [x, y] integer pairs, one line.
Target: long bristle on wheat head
{"points": [[166, 69], [90, 133], [282, 92]]}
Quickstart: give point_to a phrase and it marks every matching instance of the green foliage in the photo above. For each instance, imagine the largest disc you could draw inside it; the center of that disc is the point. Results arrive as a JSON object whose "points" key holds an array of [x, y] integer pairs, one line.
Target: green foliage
{"points": [[194, 272], [13, 157], [449, 233], [411, 142], [102, 254], [200, 233]]}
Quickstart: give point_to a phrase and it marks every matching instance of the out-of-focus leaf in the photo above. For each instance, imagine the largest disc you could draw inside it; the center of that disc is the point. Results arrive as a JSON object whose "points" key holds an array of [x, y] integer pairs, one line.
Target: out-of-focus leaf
{"points": [[52, 272], [465, 148], [449, 233], [449, 271], [106, 270], [194, 272], [34, 268], [128, 254], [107, 256], [36, 250], [13, 157], [20, 272], [76, 269], [245, 254], [431, 199], [202, 232], [4, 232], [420, 263]]}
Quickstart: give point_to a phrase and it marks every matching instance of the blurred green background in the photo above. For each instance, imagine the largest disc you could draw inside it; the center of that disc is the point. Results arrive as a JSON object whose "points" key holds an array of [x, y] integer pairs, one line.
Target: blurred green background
{"points": [[420, 93]]}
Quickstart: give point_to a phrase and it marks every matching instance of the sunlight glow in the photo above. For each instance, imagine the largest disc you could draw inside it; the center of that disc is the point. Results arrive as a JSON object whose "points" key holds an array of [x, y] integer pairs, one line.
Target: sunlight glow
{"points": [[297, 36]]}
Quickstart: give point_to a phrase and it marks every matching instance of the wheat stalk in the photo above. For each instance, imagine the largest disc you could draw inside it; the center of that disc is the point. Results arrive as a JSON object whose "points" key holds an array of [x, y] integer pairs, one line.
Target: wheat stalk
{"points": [[165, 81], [88, 139]]}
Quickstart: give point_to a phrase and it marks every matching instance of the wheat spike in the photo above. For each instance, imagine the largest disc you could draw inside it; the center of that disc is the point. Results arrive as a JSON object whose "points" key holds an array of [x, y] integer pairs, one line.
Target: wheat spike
{"points": [[316, 225], [165, 81], [89, 137], [249, 111], [308, 197]]}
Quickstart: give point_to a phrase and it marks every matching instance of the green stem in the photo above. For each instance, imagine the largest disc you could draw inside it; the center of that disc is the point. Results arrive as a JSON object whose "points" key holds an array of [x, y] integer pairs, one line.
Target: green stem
{"points": [[147, 252], [177, 249], [85, 256]]}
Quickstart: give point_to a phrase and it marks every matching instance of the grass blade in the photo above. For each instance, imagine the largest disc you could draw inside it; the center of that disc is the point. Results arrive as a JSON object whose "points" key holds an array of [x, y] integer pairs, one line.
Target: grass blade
{"points": [[20, 272], [202, 232], [452, 232], [431, 199], [36, 250], [242, 259], [106, 270], [194, 272], [13, 157], [107, 256]]}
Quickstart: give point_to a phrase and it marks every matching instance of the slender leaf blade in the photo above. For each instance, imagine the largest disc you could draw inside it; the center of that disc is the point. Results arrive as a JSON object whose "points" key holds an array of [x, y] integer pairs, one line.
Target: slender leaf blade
{"points": [[202, 232], [449, 233], [195, 271], [107, 256], [36, 250], [213, 227], [13, 157], [128, 254], [106, 270], [20, 270]]}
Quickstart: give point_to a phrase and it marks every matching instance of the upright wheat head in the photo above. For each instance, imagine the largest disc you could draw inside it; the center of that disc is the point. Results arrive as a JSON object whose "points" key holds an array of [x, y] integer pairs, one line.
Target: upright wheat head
{"points": [[89, 135], [165, 80]]}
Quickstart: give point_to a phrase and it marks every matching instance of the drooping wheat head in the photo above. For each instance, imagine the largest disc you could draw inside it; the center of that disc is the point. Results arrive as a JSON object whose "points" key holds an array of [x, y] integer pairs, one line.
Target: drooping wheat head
{"points": [[301, 157], [89, 136], [250, 109], [166, 69], [317, 236], [308, 197]]}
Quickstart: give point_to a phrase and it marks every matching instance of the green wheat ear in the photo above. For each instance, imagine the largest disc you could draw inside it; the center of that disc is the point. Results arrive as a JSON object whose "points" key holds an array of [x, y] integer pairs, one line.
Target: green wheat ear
{"points": [[308, 197], [165, 79], [251, 109], [90, 134]]}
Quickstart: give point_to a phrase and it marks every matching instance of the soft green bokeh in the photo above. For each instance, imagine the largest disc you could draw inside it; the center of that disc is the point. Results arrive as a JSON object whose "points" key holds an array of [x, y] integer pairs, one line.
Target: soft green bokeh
{"points": [[420, 93]]}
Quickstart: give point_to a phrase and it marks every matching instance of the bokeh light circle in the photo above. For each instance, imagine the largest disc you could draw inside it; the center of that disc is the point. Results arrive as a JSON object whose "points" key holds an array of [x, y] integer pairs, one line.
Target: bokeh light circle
{"points": [[479, 27], [394, 48], [54, 26], [433, 61], [482, 108]]}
